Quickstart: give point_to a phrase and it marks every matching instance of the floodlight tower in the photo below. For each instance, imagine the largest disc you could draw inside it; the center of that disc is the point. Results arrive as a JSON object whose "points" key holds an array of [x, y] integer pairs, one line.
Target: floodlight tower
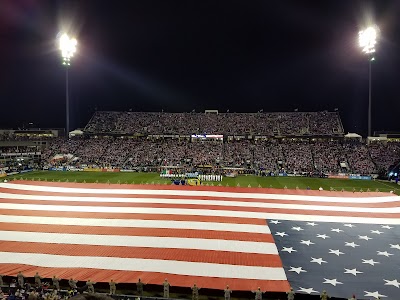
{"points": [[367, 41], [68, 48]]}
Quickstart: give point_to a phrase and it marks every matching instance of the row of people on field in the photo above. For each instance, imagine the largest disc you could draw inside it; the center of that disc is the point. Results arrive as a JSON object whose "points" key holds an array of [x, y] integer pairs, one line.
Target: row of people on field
{"points": [[34, 294]]}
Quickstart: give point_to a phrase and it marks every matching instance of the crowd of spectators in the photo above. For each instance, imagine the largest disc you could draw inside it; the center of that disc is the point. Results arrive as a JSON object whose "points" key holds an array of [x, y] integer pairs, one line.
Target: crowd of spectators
{"points": [[328, 156], [359, 159], [294, 123], [298, 156], [268, 155], [385, 155], [275, 155]]}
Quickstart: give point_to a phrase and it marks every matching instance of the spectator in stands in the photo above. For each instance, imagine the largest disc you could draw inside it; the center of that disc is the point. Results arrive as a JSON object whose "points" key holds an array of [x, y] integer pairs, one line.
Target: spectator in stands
{"points": [[95, 296]]}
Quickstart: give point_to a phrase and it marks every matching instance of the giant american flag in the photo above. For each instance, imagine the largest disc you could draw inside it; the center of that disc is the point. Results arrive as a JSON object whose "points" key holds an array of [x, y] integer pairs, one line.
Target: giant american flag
{"points": [[340, 242]]}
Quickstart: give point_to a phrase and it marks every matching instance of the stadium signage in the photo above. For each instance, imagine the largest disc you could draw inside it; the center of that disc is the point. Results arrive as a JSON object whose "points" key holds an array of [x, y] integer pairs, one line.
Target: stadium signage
{"points": [[207, 136], [58, 169], [338, 176], [360, 177]]}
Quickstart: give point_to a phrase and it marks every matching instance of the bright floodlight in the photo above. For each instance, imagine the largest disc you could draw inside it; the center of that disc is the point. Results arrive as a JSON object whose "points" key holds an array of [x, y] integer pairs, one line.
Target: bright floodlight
{"points": [[367, 39], [68, 48]]}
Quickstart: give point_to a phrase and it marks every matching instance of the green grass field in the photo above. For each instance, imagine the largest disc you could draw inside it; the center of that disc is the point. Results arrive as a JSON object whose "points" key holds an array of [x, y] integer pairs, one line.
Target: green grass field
{"points": [[240, 181]]}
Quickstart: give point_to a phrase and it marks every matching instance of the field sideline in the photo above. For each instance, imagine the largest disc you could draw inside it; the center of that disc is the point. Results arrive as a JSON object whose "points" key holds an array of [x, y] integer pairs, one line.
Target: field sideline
{"points": [[240, 181]]}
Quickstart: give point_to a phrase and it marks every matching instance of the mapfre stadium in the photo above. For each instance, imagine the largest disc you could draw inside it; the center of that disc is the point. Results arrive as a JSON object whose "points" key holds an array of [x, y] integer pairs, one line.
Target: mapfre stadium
{"points": [[232, 202]]}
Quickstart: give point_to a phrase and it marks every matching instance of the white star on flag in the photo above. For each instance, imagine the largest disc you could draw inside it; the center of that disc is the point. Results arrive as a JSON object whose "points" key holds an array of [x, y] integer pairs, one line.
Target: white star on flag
{"points": [[281, 234], [336, 230], [308, 242], [387, 227], [349, 225], [308, 291], [323, 236], [298, 270], [297, 228], [352, 244], [275, 222], [376, 231], [373, 294], [364, 237], [352, 271], [336, 252], [397, 246], [369, 261], [384, 253], [334, 282], [312, 224], [318, 260], [392, 282], [288, 249]]}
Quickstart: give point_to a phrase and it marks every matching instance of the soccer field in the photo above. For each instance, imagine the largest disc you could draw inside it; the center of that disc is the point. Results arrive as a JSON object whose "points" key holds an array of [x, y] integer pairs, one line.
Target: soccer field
{"points": [[240, 181]]}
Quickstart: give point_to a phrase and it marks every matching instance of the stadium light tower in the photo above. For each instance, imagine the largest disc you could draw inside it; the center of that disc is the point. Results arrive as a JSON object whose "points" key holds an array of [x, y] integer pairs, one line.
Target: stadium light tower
{"points": [[367, 41], [68, 48]]}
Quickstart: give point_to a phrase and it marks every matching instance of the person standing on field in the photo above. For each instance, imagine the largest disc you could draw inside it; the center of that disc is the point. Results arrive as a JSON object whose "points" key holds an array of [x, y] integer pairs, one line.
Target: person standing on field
{"points": [[113, 287], [56, 282], [227, 293], [195, 292], [166, 286], [20, 278]]}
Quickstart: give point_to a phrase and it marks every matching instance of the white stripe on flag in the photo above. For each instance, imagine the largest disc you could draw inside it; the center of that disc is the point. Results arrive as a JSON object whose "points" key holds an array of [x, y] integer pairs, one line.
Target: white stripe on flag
{"points": [[201, 212], [250, 228], [209, 203], [140, 241], [145, 265], [233, 195]]}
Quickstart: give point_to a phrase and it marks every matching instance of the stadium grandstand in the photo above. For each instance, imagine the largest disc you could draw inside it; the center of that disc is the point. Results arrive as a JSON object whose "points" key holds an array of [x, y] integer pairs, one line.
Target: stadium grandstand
{"points": [[301, 143]]}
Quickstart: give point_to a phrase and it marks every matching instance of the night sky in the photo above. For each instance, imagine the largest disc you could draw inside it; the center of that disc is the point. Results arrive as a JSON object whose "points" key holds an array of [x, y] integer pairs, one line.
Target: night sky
{"points": [[183, 55]]}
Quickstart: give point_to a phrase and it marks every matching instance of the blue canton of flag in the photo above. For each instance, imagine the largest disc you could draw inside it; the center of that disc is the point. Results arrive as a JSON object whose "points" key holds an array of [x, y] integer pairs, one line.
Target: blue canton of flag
{"points": [[343, 259]]}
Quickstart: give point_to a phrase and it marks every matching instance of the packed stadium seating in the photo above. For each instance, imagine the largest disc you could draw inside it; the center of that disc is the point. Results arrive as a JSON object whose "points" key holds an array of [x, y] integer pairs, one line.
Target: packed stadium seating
{"points": [[275, 155], [292, 142], [285, 124]]}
